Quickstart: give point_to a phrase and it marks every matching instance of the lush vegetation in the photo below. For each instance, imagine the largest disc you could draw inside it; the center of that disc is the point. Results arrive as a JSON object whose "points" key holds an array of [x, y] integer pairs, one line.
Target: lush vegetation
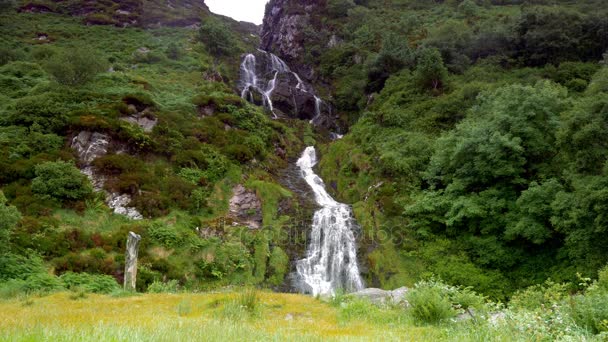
{"points": [[59, 78], [475, 155], [475, 152]]}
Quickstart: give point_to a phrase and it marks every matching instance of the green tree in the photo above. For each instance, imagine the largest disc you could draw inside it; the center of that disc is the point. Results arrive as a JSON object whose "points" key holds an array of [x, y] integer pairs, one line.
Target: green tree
{"points": [[217, 37], [480, 169], [430, 73], [9, 216], [75, 66], [60, 180]]}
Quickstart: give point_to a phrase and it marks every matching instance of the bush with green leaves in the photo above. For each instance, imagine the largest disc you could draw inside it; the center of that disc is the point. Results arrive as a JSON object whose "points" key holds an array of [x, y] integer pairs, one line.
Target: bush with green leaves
{"points": [[15, 266], [9, 216], [430, 73], [49, 112], [164, 235], [95, 283], [430, 305], [540, 296], [217, 37], [61, 181], [171, 286], [41, 283], [278, 266], [75, 66], [590, 312]]}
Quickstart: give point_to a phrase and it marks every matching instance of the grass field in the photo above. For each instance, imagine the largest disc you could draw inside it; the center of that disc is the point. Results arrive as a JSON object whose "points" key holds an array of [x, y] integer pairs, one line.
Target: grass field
{"points": [[242, 315], [207, 317], [185, 317]]}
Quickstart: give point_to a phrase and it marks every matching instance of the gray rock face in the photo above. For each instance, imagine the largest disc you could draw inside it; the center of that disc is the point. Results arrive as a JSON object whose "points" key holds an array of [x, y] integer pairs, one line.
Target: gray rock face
{"points": [[266, 80], [131, 261], [383, 297], [120, 205], [90, 146], [246, 207], [282, 31], [139, 119]]}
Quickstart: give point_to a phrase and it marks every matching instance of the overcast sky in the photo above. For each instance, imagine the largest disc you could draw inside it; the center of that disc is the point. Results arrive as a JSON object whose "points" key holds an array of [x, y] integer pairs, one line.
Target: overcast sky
{"points": [[242, 10]]}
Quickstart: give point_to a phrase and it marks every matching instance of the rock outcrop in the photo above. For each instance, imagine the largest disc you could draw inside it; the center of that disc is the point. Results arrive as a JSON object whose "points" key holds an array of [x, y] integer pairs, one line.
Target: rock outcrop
{"points": [[383, 297], [90, 146], [246, 207], [267, 80], [285, 22]]}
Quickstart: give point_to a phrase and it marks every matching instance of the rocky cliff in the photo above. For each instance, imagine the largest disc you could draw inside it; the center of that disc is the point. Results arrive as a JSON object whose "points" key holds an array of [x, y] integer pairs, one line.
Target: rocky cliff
{"points": [[284, 30]]}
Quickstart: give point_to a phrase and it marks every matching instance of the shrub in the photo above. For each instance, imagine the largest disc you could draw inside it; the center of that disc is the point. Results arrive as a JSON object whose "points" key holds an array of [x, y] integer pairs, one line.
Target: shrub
{"points": [[159, 287], [538, 296], [591, 312], [430, 305], [173, 51], [9, 216], [11, 288], [41, 283], [47, 111], [96, 283], [217, 37], [339, 8], [164, 235], [14, 266], [76, 66], [60, 180], [278, 265], [430, 73], [602, 281]]}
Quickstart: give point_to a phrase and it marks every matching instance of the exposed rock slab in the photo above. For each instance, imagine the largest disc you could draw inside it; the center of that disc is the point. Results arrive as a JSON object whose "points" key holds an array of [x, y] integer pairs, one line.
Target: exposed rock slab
{"points": [[90, 146], [246, 207], [145, 123]]}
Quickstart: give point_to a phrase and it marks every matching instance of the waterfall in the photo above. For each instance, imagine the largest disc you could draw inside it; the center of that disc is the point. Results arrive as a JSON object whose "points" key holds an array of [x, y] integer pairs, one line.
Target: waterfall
{"points": [[249, 77], [264, 76], [331, 261], [318, 103]]}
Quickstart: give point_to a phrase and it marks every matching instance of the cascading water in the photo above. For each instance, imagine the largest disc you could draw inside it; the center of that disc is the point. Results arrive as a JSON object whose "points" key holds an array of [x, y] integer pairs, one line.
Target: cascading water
{"points": [[249, 77], [264, 80], [331, 261], [318, 103]]}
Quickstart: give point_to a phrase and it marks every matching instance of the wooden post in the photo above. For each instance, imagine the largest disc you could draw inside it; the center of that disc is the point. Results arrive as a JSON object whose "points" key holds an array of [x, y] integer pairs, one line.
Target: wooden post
{"points": [[131, 262]]}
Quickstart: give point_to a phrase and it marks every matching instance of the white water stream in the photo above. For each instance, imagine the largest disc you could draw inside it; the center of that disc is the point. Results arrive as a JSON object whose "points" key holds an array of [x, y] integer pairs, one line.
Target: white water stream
{"points": [[250, 81], [331, 261]]}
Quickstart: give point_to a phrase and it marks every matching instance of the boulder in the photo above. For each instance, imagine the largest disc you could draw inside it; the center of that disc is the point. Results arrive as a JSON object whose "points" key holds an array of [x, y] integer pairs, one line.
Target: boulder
{"points": [[383, 297]]}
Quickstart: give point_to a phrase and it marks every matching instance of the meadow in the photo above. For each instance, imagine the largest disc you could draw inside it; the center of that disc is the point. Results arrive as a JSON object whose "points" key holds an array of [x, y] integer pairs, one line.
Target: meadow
{"points": [[244, 313]]}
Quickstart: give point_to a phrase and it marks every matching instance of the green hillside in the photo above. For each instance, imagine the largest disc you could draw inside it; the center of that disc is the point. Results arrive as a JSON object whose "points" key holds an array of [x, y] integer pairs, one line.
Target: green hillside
{"points": [[473, 157]]}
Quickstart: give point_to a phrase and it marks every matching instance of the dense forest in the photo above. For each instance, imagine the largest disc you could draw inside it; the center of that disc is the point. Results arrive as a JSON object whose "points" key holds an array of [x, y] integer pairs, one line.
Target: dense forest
{"points": [[472, 150]]}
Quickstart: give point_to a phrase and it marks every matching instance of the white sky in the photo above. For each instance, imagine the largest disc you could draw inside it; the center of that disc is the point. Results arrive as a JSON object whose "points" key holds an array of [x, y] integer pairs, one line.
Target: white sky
{"points": [[241, 10]]}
